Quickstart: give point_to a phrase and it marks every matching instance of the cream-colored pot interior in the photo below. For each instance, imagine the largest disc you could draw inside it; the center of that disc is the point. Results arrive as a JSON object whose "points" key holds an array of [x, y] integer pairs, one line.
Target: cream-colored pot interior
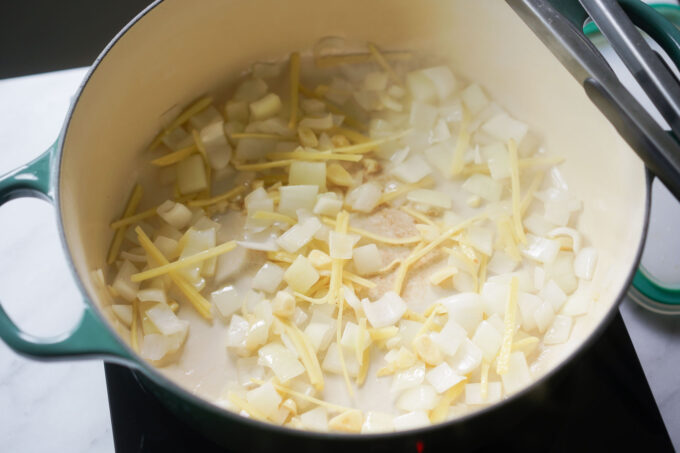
{"points": [[180, 50]]}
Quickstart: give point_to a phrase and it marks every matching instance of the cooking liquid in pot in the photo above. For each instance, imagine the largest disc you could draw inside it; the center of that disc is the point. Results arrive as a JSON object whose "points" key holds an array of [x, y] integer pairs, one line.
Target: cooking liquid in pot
{"points": [[425, 335]]}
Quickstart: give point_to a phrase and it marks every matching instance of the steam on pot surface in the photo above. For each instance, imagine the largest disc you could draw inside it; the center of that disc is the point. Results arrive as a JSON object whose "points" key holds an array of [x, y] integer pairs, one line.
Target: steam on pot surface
{"points": [[348, 242]]}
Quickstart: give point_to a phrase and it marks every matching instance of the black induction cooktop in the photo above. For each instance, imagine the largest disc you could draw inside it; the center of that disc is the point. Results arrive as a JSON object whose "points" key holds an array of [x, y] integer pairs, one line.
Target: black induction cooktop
{"points": [[602, 403]]}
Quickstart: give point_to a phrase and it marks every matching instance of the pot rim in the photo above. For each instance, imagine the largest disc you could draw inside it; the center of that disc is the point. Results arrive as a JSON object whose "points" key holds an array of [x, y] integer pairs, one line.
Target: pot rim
{"points": [[137, 363]]}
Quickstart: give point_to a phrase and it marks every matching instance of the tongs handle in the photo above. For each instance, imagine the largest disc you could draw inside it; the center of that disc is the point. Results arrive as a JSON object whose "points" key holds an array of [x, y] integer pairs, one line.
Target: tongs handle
{"points": [[652, 74], [559, 24]]}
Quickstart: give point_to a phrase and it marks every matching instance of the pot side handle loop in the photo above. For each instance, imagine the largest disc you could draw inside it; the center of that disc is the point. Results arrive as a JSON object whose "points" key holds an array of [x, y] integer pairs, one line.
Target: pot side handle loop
{"points": [[90, 337]]}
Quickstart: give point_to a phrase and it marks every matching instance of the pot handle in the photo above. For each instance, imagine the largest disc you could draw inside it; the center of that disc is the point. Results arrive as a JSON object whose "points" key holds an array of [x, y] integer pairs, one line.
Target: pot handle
{"points": [[648, 292], [91, 337]]}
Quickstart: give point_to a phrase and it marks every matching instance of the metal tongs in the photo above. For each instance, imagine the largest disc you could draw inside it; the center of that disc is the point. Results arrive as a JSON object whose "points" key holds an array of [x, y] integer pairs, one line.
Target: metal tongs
{"points": [[559, 24]]}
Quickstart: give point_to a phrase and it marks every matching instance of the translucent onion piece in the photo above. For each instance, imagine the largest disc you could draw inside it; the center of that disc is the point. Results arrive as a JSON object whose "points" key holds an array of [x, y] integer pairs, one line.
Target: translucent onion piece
{"points": [[385, 311], [442, 377], [411, 420], [559, 330], [518, 375], [585, 262]]}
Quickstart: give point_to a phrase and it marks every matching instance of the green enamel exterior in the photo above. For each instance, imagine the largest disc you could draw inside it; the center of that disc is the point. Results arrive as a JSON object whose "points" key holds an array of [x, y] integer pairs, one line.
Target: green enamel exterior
{"points": [[90, 337]]}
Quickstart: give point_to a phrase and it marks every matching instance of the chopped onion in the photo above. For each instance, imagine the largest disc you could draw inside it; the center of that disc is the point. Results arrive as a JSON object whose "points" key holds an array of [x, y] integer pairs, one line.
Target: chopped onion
{"points": [[377, 422], [318, 124], [191, 177], [308, 173], [281, 361], [327, 204], [481, 238], [578, 304], [553, 294], [584, 263], [540, 249], [411, 420], [265, 107], [442, 377], [474, 99], [419, 398], [341, 245], [206, 117], [422, 116], [484, 186], [495, 295], [237, 331], [299, 234], [421, 87], [450, 337], [339, 90], [301, 275], [296, 197], [430, 197], [562, 272], [257, 335], [365, 197], [268, 278], [505, 128], [408, 378], [264, 399], [350, 338], [253, 148], [498, 160], [123, 283], [332, 364], [315, 419], [501, 263], [217, 148], [466, 309], [440, 132], [473, 394], [467, 358], [154, 347], [412, 170], [367, 259], [175, 214], [559, 331], [252, 299], [313, 106], [386, 311], [152, 295], [518, 375], [557, 212], [250, 90], [572, 233], [227, 300], [178, 139], [375, 81], [451, 110], [538, 225], [544, 316], [488, 340], [442, 79], [123, 312], [320, 334], [439, 156], [528, 304]]}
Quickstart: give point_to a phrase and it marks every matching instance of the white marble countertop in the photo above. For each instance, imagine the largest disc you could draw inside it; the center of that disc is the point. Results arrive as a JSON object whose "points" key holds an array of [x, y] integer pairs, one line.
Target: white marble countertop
{"points": [[63, 406]]}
